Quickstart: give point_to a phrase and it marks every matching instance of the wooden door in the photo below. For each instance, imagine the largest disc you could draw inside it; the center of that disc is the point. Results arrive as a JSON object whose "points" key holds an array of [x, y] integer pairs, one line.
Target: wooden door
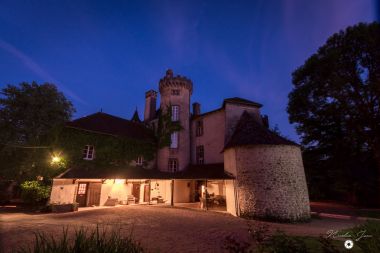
{"points": [[146, 193], [94, 190], [82, 194], [136, 191]]}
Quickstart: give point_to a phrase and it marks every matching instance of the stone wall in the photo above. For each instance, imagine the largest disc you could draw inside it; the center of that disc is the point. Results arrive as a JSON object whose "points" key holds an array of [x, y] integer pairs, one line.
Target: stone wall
{"points": [[271, 182]]}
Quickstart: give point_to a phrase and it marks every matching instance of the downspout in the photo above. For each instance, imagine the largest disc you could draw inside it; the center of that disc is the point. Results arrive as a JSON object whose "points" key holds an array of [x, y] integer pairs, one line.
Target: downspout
{"points": [[150, 181], [172, 195], [206, 196]]}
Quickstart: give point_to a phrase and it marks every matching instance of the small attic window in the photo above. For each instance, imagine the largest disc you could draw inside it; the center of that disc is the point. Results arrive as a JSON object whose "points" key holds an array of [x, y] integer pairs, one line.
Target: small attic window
{"points": [[88, 152], [139, 161], [175, 92]]}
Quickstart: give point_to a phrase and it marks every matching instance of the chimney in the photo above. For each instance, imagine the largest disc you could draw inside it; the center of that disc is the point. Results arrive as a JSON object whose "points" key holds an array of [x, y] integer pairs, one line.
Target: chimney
{"points": [[196, 109], [150, 105], [265, 120]]}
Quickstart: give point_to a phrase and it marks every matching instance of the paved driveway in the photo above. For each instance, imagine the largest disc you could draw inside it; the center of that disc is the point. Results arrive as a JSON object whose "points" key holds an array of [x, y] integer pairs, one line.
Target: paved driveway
{"points": [[164, 228]]}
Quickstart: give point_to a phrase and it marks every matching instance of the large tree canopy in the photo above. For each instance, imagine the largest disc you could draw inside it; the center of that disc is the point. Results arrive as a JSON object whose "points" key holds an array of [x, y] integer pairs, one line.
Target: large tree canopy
{"points": [[29, 114], [336, 96]]}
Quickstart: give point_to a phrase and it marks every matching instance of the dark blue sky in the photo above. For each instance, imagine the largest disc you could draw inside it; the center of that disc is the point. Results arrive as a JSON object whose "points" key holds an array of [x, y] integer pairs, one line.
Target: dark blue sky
{"points": [[107, 54]]}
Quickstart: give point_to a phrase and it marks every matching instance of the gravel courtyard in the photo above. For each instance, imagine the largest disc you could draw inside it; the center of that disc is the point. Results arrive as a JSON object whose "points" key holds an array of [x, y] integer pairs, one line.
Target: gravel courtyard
{"points": [[157, 227]]}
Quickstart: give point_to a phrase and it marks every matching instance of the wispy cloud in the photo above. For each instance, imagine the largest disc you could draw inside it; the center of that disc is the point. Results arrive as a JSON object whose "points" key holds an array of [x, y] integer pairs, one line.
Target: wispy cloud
{"points": [[37, 69]]}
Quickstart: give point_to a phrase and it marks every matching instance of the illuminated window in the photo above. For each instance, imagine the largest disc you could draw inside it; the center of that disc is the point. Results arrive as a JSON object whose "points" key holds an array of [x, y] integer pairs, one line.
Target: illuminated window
{"points": [[175, 92], [175, 112], [200, 154], [174, 140], [139, 161], [199, 128], [82, 189], [88, 152], [173, 165]]}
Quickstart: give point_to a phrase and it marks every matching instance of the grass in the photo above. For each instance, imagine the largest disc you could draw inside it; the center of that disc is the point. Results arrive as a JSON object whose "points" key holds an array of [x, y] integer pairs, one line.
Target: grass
{"points": [[263, 242], [98, 240]]}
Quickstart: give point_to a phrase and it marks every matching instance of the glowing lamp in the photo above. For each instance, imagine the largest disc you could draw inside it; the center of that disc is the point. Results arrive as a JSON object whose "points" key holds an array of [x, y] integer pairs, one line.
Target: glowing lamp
{"points": [[55, 159], [119, 181]]}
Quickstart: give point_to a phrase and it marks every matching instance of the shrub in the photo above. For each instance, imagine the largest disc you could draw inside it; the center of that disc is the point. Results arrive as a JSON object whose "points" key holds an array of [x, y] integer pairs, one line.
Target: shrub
{"points": [[327, 245], [233, 245], [34, 192], [282, 243], [84, 240], [262, 242]]}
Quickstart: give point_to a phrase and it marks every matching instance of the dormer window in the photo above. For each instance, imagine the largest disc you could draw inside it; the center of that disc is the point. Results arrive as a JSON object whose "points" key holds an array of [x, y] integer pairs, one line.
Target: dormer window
{"points": [[139, 161], [175, 92], [199, 128], [175, 113], [88, 152], [200, 154], [173, 165]]}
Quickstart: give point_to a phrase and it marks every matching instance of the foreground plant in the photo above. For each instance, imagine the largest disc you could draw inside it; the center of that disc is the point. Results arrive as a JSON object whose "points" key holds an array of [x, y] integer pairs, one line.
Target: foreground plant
{"points": [[98, 240]]}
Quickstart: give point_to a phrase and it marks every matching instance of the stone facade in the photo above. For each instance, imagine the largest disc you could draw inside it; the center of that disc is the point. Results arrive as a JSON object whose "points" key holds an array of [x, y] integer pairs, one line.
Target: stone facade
{"points": [[270, 181]]}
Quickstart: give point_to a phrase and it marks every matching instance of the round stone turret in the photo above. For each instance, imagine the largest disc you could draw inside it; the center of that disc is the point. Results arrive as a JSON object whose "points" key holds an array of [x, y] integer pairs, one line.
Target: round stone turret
{"points": [[271, 182], [175, 92]]}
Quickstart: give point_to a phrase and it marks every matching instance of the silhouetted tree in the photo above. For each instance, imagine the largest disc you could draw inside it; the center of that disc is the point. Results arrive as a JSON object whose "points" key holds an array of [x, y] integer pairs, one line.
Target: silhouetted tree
{"points": [[29, 116], [335, 105]]}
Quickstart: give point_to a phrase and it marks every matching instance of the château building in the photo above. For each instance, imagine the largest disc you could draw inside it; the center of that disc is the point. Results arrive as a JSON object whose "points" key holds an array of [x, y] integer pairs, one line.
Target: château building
{"points": [[226, 159]]}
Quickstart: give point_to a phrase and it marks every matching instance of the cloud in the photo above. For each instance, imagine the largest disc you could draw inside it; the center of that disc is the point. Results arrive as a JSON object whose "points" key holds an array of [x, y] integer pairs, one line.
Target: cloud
{"points": [[37, 69]]}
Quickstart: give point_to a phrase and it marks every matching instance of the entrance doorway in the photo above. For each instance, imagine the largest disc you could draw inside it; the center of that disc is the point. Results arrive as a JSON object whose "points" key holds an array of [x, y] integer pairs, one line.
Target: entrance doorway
{"points": [[136, 192], [94, 190], [81, 198], [146, 192], [88, 194]]}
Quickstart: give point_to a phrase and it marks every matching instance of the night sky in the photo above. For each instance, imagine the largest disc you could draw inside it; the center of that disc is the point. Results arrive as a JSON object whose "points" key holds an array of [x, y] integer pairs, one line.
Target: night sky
{"points": [[106, 54]]}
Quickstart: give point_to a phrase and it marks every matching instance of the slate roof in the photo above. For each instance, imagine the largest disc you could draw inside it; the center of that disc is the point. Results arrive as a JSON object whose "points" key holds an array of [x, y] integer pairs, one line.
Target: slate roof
{"points": [[241, 101], [206, 171], [108, 124], [250, 132], [234, 100]]}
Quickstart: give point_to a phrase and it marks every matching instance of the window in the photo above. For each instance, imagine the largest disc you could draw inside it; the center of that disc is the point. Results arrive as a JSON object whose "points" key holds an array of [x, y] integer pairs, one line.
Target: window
{"points": [[173, 165], [88, 152], [175, 92], [139, 161], [82, 189], [175, 112], [174, 140], [199, 128], [200, 154]]}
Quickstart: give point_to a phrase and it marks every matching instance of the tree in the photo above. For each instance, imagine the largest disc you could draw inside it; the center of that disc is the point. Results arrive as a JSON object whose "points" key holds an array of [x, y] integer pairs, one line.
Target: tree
{"points": [[30, 114], [335, 102]]}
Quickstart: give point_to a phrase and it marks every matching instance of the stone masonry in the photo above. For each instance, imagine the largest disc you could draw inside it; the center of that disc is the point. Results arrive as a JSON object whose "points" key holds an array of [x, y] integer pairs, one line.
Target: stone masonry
{"points": [[271, 182]]}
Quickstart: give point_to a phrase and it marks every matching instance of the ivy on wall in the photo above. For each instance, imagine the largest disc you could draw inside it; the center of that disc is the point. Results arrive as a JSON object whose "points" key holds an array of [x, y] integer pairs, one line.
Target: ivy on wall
{"points": [[166, 127], [110, 150]]}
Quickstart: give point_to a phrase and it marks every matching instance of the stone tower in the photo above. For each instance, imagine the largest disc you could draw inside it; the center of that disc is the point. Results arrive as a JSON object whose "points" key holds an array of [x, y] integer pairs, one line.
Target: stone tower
{"points": [[271, 181], [175, 92]]}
